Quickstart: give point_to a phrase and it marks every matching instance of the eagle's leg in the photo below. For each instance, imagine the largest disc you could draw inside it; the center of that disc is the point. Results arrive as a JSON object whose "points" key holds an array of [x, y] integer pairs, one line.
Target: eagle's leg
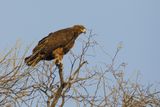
{"points": [[58, 55]]}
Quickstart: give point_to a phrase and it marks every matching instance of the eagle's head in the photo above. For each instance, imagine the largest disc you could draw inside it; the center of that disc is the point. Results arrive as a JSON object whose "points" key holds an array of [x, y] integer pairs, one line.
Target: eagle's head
{"points": [[79, 29]]}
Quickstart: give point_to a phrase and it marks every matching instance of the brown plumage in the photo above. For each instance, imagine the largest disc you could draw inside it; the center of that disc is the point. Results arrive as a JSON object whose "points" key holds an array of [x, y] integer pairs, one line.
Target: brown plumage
{"points": [[55, 45]]}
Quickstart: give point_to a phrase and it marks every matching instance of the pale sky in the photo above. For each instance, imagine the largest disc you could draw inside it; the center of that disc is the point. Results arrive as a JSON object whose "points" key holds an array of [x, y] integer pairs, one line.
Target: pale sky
{"points": [[134, 22]]}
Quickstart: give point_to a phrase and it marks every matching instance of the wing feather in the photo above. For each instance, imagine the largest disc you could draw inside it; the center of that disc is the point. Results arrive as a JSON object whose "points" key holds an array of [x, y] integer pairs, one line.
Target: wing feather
{"points": [[53, 41]]}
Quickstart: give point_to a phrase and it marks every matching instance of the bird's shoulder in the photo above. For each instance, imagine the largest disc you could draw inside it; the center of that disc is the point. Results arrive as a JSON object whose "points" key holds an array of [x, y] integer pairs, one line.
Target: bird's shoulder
{"points": [[63, 33], [45, 39]]}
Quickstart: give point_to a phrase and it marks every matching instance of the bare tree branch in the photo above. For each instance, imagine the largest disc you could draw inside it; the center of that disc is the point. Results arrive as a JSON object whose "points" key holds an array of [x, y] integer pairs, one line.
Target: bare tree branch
{"points": [[80, 83]]}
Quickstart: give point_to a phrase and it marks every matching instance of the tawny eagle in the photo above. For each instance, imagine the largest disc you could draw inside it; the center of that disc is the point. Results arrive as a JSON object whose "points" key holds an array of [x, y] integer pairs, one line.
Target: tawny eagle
{"points": [[55, 45]]}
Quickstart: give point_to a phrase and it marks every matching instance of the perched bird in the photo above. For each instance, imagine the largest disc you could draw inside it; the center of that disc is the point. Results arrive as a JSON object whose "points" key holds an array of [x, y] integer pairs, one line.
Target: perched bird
{"points": [[55, 45]]}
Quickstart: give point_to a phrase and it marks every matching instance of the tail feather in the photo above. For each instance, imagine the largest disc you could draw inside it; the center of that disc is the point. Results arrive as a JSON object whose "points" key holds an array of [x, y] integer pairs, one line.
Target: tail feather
{"points": [[32, 60]]}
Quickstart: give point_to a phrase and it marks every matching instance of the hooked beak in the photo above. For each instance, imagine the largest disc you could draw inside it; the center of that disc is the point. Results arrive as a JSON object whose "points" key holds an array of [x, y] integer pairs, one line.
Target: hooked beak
{"points": [[84, 31]]}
